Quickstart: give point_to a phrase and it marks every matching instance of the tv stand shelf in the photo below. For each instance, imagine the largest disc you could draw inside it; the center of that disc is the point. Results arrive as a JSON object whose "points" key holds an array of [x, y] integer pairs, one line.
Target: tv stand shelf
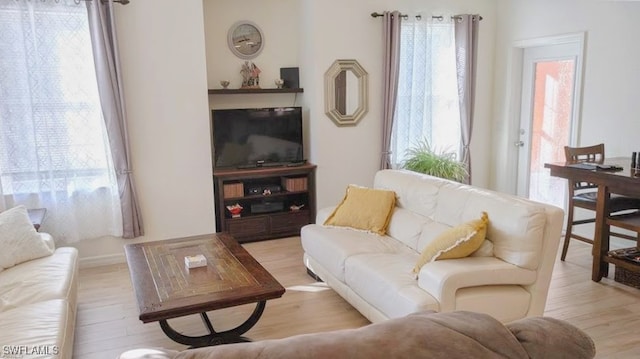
{"points": [[273, 196], [269, 196]]}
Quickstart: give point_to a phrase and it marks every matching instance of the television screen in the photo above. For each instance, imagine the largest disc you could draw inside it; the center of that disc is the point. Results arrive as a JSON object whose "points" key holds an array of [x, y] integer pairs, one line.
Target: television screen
{"points": [[255, 137]]}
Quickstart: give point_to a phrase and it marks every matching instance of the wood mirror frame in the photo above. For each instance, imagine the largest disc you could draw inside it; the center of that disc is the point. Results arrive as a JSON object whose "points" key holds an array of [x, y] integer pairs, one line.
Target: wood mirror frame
{"points": [[335, 96]]}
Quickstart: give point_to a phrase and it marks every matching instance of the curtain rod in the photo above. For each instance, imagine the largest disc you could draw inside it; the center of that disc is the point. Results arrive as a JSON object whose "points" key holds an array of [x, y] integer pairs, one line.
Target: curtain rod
{"points": [[123, 2], [418, 17]]}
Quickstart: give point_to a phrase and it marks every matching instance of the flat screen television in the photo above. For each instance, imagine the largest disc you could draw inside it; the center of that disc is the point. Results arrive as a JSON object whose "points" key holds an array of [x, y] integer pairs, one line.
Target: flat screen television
{"points": [[245, 138]]}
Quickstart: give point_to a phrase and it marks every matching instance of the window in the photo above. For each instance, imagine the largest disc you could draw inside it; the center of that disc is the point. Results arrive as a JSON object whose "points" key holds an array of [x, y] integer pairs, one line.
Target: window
{"points": [[427, 103], [53, 147]]}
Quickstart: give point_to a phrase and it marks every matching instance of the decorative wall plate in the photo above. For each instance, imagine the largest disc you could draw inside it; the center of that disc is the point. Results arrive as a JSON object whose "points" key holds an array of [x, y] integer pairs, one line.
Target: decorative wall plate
{"points": [[245, 39]]}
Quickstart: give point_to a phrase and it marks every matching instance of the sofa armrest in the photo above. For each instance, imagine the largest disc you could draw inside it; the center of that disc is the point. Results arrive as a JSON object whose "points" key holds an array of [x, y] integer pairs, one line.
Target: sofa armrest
{"points": [[443, 278]]}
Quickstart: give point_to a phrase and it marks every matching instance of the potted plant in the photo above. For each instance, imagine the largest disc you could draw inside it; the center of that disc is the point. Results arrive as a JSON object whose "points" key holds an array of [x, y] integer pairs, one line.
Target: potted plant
{"points": [[425, 159]]}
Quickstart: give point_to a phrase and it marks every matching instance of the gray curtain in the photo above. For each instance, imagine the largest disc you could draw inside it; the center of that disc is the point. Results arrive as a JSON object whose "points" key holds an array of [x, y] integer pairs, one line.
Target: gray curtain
{"points": [[391, 69], [105, 53], [466, 33]]}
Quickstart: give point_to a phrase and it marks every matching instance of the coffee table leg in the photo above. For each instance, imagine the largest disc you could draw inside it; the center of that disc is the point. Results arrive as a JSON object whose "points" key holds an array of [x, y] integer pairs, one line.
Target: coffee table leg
{"points": [[214, 338]]}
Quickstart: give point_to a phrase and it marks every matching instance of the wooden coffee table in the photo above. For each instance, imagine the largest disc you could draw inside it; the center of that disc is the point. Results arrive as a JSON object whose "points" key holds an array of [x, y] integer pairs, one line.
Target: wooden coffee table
{"points": [[166, 289]]}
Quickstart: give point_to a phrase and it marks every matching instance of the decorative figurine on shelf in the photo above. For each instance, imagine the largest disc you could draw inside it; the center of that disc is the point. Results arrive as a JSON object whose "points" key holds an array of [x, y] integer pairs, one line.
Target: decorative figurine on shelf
{"points": [[235, 210], [250, 75], [224, 83], [279, 83], [293, 207]]}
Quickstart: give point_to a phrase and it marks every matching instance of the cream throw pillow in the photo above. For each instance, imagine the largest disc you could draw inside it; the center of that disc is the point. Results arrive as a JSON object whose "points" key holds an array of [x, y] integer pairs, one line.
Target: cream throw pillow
{"points": [[19, 241], [365, 209], [456, 242]]}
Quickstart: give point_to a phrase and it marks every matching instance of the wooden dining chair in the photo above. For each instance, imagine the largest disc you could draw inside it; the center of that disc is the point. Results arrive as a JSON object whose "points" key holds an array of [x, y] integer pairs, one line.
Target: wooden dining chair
{"points": [[584, 195]]}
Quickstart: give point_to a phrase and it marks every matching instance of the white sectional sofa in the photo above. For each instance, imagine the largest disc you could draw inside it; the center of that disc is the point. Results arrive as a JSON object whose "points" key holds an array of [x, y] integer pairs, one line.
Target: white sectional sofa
{"points": [[508, 278], [38, 300]]}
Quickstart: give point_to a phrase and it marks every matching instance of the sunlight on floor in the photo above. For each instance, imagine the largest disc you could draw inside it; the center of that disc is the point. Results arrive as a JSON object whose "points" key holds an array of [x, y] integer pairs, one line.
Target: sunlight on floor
{"points": [[314, 287]]}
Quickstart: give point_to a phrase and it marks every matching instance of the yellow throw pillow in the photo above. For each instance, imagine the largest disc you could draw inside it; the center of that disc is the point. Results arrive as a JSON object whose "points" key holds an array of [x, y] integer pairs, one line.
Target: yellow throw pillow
{"points": [[456, 242], [365, 209]]}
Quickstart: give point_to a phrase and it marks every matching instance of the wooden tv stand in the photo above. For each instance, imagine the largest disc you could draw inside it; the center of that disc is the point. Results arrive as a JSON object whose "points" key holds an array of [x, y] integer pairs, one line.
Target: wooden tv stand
{"points": [[267, 212]]}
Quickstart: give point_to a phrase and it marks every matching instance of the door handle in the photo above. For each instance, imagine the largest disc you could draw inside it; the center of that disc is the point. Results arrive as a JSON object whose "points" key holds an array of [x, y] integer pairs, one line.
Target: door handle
{"points": [[519, 144]]}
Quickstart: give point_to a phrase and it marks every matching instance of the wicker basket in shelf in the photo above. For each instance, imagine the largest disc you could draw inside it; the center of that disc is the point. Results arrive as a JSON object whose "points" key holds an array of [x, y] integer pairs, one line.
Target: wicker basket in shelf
{"points": [[294, 184], [233, 190]]}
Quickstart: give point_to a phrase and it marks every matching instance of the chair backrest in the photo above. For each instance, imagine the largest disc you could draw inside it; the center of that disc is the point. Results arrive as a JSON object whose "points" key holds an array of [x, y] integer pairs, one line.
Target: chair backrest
{"points": [[593, 154]]}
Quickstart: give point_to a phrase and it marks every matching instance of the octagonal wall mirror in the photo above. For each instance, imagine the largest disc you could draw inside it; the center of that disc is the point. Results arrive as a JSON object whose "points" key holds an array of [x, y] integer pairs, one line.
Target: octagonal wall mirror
{"points": [[245, 39], [346, 92]]}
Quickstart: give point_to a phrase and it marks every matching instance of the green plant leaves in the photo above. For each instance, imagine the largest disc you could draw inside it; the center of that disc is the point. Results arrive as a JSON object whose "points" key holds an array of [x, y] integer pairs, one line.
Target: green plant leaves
{"points": [[424, 159]]}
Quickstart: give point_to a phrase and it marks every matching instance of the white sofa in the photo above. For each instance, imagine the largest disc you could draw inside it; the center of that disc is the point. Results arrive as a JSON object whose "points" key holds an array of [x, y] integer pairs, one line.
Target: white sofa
{"points": [[38, 301], [507, 279]]}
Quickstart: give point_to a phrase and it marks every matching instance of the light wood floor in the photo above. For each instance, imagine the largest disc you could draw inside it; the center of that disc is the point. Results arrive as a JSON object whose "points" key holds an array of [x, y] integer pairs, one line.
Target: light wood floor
{"points": [[107, 322]]}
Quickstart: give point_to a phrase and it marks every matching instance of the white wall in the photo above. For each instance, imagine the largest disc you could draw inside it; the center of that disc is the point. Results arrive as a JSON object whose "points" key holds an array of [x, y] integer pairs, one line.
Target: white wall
{"points": [[335, 29], [164, 70], [610, 106], [311, 35], [172, 52], [280, 25], [168, 68]]}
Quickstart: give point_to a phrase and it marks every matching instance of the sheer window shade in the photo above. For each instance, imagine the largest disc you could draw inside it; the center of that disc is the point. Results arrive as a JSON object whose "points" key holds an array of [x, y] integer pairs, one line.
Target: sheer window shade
{"points": [[427, 102], [53, 147]]}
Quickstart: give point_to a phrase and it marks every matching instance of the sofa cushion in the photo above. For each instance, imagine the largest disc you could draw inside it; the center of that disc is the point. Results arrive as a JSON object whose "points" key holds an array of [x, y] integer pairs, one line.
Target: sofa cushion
{"points": [[46, 327], [323, 214], [417, 193], [457, 242], [517, 225], [385, 280], [42, 279], [364, 208], [331, 246], [406, 226], [18, 238], [485, 250]]}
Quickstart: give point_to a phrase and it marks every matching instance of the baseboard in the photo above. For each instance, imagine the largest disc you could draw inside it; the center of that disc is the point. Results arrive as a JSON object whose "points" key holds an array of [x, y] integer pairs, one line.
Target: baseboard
{"points": [[98, 261]]}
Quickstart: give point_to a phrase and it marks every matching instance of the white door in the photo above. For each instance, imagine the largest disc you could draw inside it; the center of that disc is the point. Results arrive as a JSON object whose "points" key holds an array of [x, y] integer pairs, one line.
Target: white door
{"points": [[548, 118]]}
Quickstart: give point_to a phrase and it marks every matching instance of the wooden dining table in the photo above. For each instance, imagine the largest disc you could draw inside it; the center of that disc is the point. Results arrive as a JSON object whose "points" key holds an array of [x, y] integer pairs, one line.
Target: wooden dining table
{"points": [[624, 181]]}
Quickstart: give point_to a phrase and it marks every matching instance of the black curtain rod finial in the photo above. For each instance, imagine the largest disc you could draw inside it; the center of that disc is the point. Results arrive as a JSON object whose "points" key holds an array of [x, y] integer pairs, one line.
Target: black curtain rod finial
{"points": [[377, 14]]}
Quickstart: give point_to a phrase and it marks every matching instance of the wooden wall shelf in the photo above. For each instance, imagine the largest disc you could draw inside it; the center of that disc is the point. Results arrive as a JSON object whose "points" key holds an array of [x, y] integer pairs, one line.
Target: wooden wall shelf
{"points": [[253, 91]]}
